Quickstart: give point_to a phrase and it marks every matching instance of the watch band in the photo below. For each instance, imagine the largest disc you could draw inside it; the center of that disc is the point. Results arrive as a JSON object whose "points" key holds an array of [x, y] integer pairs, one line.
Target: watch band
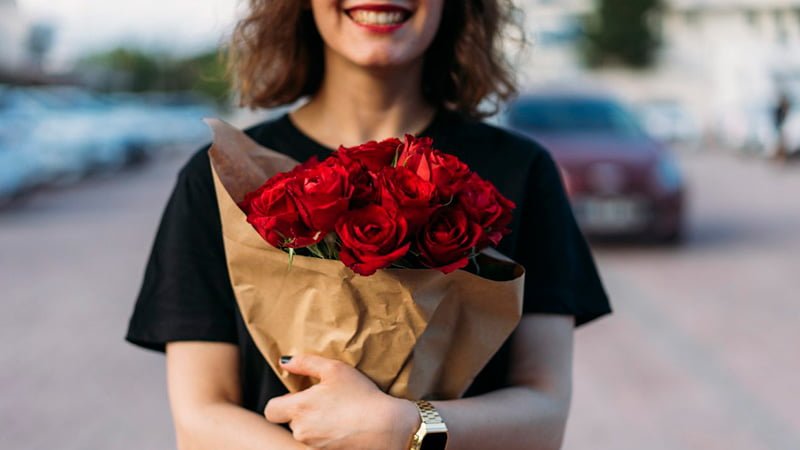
{"points": [[429, 414], [432, 432]]}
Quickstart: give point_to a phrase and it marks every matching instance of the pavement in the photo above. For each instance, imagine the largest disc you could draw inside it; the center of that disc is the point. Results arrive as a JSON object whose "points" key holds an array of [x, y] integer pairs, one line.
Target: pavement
{"points": [[701, 353]]}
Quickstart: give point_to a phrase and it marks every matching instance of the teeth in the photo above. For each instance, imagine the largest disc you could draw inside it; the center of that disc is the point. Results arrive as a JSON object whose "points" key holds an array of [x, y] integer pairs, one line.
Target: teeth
{"points": [[377, 17]]}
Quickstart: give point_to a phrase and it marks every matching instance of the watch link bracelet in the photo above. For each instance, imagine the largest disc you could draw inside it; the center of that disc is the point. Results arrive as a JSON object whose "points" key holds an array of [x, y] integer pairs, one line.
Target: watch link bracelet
{"points": [[432, 432]]}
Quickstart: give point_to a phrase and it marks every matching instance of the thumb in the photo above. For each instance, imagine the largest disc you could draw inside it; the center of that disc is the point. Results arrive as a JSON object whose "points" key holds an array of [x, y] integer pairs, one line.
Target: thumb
{"points": [[310, 366]]}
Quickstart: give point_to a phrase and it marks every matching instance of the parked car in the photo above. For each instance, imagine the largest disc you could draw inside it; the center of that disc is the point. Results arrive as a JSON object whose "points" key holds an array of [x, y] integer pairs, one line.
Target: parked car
{"points": [[19, 171], [18, 174], [620, 181], [57, 135]]}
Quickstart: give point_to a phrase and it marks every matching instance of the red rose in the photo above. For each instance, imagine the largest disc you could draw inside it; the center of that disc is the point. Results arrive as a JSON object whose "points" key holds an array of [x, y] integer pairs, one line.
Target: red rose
{"points": [[372, 238], [308, 164], [274, 215], [486, 206], [364, 187], [415, 155], [374, 155], [446, 171], [448, 240], [413, 196], [322, 193]]}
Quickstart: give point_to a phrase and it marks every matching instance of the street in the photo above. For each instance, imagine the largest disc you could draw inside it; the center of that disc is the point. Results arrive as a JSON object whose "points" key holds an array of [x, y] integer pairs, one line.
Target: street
{"points": [[701, 353]]}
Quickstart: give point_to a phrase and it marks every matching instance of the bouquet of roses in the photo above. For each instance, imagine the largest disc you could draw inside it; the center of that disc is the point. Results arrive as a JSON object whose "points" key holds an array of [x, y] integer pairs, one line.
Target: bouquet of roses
{"points": [[382, 204], [376, 235]]}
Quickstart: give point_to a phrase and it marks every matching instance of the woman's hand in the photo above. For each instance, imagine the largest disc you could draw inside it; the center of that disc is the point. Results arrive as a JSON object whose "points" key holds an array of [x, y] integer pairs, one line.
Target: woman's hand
{"points": [[344, 411]]}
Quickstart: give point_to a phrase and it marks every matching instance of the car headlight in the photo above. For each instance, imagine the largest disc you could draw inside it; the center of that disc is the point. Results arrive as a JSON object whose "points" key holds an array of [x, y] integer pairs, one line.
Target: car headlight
{"points": [[668, 175]]}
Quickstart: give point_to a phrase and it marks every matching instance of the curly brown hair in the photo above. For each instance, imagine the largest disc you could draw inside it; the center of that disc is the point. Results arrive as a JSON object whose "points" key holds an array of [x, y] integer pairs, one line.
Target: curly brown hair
{"points": [[276, 54]]}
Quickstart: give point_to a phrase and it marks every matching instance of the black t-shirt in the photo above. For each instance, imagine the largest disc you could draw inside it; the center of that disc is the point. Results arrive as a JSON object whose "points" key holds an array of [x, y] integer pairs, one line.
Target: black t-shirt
{"points": [[187, 296]]}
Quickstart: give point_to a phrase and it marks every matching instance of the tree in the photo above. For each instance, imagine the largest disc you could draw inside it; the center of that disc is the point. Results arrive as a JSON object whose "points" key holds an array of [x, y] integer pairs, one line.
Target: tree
{"points": [[208, 75], [623, 32], [138, 70], [135, 70]]}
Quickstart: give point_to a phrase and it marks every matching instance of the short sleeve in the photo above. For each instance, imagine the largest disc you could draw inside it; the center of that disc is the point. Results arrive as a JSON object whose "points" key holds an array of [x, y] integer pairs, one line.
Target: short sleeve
{"points": [[561, 277], [186, 293]]}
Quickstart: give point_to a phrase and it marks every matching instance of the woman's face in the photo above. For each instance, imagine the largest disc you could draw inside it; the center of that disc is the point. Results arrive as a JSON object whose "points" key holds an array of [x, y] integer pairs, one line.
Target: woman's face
{"points": [[378, 33]]}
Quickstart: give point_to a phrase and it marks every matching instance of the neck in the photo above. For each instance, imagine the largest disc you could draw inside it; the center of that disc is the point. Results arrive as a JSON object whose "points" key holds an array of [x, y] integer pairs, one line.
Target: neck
{"points": [[355, 105]]}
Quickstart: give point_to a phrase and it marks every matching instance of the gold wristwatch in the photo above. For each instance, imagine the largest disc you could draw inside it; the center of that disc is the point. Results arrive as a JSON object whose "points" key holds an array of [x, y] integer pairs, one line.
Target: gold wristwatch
{"points": [[432, 432]]}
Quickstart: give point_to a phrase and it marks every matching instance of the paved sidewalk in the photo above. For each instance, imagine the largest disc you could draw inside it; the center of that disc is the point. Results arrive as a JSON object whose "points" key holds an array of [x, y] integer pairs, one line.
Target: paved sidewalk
{"points": [[702, 352]]}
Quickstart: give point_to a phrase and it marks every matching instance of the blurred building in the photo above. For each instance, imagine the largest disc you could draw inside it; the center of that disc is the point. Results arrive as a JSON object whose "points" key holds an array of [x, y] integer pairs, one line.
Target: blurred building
{"points": [[554, 29], [724, 61], [24, 45], [729, 60], [13, 33]]}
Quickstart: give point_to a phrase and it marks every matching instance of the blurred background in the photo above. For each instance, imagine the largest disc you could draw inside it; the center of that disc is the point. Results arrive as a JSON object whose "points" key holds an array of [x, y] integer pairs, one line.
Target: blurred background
{"points": [[676, 124]]}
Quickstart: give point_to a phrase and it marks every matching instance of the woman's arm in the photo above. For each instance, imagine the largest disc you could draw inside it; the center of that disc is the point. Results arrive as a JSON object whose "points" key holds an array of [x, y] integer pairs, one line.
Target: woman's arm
{"points": [[532, 415], [346, 410], [204, 394]]}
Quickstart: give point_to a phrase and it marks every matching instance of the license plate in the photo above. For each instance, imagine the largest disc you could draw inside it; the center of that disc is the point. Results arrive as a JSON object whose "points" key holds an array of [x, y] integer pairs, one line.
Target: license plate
{"points": [[610, 214]]}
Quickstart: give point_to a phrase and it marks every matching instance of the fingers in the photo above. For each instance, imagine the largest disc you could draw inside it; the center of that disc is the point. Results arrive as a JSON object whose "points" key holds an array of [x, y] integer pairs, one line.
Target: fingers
{"points": [[311, 366], [286, 408], [282, 409]]}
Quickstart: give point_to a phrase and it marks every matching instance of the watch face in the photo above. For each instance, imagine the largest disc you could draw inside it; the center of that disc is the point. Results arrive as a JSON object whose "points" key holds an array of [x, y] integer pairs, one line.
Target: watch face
{"points": [[434, 441]]}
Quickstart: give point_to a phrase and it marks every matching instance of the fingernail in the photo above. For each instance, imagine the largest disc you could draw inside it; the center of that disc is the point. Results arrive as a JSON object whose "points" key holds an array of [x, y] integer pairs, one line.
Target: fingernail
{"points": [[285, 359]]}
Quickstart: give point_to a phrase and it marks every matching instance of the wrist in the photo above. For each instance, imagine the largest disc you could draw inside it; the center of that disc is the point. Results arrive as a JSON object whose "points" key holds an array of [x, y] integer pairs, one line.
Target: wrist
{"points": [[432, 433], [406, 422]]}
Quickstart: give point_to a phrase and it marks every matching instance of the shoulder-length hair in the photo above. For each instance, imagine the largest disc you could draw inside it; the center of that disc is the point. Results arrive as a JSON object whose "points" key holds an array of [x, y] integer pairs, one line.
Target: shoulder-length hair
{"points": [[276, 56]]}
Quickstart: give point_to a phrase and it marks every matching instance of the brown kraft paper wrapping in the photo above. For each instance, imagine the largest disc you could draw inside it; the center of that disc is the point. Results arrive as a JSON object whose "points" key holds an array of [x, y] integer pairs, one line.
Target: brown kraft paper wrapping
{"points": [[416, 333]]}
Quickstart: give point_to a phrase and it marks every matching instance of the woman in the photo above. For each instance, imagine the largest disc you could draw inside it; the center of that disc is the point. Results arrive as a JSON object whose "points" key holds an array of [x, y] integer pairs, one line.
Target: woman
{"points": [[370, 69]]}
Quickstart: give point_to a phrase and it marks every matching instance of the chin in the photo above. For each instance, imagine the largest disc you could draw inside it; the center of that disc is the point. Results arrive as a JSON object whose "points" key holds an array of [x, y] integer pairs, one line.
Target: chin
{"points": [[380, 59], [382, 54]]}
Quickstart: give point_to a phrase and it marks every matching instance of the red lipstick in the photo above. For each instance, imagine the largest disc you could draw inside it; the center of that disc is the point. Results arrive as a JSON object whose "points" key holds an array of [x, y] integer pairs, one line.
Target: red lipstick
{"points": [[380, 7], [379, 17]]}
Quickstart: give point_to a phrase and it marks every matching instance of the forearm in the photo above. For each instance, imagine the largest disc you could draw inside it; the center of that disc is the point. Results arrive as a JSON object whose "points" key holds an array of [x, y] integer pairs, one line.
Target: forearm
{"points": [[227, 426], [508, 419]]}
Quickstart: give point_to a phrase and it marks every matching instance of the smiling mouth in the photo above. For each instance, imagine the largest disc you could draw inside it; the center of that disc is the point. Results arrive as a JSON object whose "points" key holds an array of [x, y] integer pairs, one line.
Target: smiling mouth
{"points": [[379, 17]]}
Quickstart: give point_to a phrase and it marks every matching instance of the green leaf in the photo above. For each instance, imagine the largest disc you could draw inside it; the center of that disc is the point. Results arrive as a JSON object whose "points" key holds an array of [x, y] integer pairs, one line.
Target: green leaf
{"points": [[291, 258], [474, 260], [396, 157], [315, 250]]}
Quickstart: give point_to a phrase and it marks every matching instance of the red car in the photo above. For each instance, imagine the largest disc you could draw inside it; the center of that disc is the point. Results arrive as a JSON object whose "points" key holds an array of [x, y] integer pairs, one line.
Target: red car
{"points": [[621, 182]]}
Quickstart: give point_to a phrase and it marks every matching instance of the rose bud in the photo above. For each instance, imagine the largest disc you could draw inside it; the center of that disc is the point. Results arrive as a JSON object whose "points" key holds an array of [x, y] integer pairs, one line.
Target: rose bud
{"points": [[374, 155], [274, 215], [322, 193], [487, 207], [415, 154], [414, 197], [372, 238], [365, 190], [448, 241], [446, 171]]}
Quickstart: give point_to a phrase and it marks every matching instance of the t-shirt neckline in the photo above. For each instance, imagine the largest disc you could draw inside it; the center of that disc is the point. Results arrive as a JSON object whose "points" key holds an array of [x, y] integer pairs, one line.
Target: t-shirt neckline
{"points": [[323, 150]]}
